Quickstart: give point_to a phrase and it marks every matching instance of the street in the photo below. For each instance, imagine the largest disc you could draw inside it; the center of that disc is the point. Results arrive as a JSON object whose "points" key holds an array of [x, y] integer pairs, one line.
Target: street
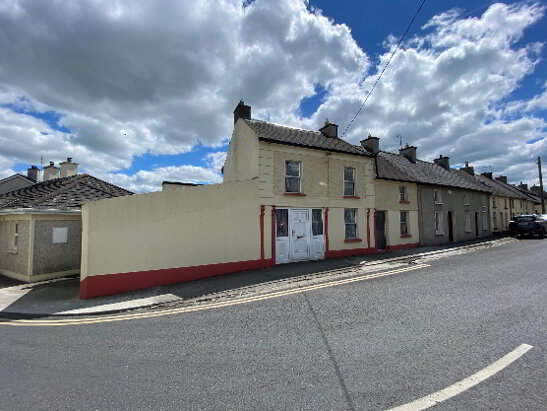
{"points": [[363, 345]]}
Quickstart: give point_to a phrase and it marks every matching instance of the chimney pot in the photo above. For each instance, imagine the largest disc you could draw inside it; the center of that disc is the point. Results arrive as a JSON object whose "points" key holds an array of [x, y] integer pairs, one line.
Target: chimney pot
{"points": [[443, 162], [409, 152], [242, 111], [468, 169], [371, 143], [329, 130]]}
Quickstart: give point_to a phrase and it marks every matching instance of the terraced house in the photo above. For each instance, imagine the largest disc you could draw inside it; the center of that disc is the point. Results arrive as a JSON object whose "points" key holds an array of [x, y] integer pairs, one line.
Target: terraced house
{"points": [[450, 204], [288, 195]]}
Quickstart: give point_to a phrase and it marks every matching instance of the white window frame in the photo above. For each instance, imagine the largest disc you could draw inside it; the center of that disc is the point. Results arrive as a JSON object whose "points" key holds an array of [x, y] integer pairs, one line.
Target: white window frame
{"points": [[355, 219], [404, 223], [439, 223], [466, 201], [14, 236], [349, 181], [437, 196], [467, 221], [403, 195], [299, 176]]}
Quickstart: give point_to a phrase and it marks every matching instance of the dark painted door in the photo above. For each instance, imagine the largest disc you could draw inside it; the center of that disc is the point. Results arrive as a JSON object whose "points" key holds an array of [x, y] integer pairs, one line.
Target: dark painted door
{"points": [[450, 227], [380, 230], [477, 224]]}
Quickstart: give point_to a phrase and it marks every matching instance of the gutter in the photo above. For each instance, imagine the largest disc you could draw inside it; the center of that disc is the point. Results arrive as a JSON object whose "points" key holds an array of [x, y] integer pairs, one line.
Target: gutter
{"points": [[12, 211]]}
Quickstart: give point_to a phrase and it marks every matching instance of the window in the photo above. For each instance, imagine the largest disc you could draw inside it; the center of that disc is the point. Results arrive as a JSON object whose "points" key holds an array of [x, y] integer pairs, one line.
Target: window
{"points": [[484, 221], [404, 222], [505, 203], [466, 199], [14, 235], [403, 195], [292, 177], [282, 223], [349, 181], [512, 203], [494, 202], [350, 222], [439, 225], [437, 196], [317, 221], [467, 220], [494, 221]]}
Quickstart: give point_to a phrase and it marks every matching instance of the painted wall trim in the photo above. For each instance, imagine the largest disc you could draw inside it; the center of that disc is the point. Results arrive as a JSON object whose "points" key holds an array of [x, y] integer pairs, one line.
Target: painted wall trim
{"points": [[402, 246], [349, 252], [107, 284], [262, 232]]}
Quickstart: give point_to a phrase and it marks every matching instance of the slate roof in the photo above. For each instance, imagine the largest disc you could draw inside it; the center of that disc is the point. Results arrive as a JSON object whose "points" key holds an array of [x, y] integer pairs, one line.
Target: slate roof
{"points": [[17, 175], [276, 133], [65, 193], [500, 188], [393, 166]]}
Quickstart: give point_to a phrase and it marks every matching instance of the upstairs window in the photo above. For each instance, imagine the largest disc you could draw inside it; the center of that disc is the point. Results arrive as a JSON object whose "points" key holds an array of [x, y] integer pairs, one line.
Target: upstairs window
{"points": [[292, 177], [494, 202], [350, 223], [403, 195], [349, 181], [437, 195], [404, 222], [466, 199]]}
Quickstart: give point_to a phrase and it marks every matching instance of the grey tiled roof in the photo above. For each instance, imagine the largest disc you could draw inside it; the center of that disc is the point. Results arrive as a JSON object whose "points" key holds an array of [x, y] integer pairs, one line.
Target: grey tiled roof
{"points": [[276, 133], [500, 188], [393, 166], [61, 193]]}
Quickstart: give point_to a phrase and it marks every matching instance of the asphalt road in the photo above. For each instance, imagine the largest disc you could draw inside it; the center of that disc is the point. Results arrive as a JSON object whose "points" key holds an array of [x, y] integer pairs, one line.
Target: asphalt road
{"points": [[367, 345]]}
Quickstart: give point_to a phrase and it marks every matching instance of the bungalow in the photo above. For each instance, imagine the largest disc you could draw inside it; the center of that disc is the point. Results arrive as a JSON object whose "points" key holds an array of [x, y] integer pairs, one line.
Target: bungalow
{"points": [[15, 182], [40, 226]]}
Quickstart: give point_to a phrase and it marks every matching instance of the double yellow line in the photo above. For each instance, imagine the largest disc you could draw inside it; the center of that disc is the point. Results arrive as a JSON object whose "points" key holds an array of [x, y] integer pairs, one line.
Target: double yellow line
{"points": [[205, 306]]}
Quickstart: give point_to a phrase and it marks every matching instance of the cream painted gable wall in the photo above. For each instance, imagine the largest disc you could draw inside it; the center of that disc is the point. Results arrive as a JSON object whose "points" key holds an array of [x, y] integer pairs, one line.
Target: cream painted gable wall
{"points": [[243, 154]]}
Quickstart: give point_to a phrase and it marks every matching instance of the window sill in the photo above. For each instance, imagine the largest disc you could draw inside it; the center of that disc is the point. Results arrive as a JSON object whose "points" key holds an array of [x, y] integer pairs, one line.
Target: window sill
{"points": [[12, 251], [352, 240], [404, 202], [439, 203], [437, 233], [295, 194], [355, 197], [406, 235]]}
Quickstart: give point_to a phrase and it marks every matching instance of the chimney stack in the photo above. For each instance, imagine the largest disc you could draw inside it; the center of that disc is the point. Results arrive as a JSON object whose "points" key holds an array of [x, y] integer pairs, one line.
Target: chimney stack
{"points": [[443, 162], [523, 186], [68, 168], [51, 172], [372, 144], [503, 179], [487, 175], [242, 111], [468, 169], [329, 129], [410, 153], [33, 173]]}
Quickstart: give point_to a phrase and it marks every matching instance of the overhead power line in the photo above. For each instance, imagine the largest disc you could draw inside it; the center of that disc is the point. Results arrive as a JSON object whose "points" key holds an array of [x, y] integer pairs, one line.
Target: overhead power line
{"points": [[385, 67]]}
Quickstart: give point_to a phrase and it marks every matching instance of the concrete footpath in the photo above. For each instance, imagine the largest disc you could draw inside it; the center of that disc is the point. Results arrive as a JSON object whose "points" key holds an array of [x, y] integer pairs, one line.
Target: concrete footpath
{"points": [[61, 297]]}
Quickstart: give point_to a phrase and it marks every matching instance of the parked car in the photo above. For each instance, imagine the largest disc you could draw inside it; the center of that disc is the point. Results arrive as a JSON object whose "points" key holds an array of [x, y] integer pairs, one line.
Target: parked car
{"points": [[531, 224]]}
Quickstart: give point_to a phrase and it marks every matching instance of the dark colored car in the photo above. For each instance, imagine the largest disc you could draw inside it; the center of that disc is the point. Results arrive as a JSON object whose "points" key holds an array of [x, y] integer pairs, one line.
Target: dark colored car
{"points": [[531, 224]]}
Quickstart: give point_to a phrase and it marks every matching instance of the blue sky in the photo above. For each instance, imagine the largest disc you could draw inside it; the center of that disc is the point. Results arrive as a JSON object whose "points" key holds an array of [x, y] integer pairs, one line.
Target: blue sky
{"points": [[141, 94]]}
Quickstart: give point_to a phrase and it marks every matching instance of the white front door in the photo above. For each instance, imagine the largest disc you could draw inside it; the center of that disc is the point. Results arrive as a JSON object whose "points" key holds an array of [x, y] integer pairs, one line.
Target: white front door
{"points": [[300, 235]]}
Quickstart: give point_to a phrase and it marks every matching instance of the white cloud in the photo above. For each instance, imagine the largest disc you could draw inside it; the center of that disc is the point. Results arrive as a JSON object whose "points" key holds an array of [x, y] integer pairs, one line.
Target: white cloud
{"points": [[160, 77]]}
